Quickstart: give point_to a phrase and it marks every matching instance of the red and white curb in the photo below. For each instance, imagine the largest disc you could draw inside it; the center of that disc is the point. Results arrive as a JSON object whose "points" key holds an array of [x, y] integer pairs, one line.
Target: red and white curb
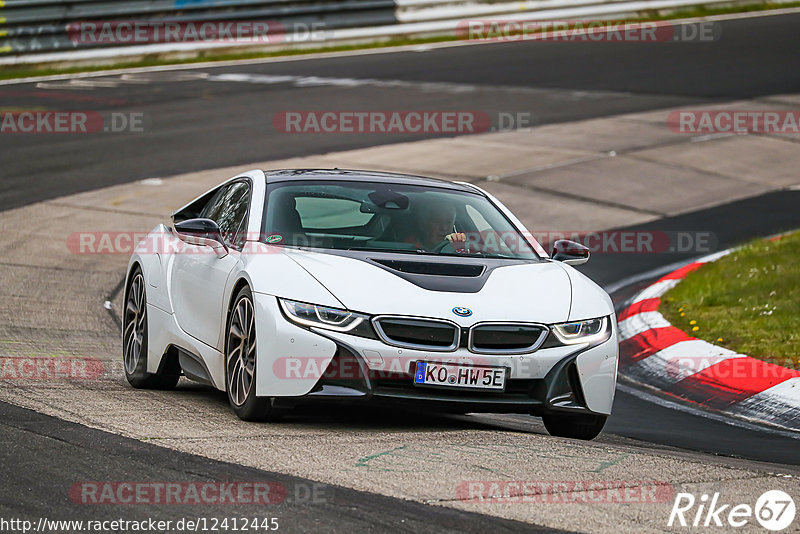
{"points": [[656, 354]]}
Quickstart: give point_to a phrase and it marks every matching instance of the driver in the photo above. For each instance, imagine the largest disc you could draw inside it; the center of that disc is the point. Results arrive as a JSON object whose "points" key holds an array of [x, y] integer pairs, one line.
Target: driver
{"points": [[434, 227]]}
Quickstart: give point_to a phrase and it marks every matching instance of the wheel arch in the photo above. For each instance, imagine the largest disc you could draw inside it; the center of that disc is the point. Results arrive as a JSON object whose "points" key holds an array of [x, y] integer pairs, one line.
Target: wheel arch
{"points": [[135, 264], [240, 283]]}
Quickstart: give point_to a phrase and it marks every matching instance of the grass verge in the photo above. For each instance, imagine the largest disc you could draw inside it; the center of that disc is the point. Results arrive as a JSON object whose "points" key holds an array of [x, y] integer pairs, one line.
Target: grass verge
{"points": [[24, 71], [748, 301]]}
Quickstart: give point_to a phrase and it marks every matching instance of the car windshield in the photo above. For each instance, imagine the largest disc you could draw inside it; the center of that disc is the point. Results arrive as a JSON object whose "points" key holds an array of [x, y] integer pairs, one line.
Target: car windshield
{"points": [[389, 217]]}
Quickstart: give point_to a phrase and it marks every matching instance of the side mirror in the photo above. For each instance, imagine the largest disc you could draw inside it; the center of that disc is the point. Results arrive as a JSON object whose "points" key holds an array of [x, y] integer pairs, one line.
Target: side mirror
{"points": [[570, 252], [202, 232]]}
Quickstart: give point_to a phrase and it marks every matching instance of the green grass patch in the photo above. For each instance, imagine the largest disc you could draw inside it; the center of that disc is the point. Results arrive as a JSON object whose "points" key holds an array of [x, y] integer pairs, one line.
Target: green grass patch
{"points": [[748, 301], [24, 71]]}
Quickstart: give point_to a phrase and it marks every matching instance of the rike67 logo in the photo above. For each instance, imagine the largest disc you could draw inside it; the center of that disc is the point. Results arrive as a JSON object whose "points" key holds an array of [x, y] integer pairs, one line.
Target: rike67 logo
{"points": [[774, 510]]}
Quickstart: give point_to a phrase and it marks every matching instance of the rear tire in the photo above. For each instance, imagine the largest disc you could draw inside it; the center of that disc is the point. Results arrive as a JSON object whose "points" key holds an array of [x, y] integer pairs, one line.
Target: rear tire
{"points": [[240, 362], [582, 426], [134, 338]]}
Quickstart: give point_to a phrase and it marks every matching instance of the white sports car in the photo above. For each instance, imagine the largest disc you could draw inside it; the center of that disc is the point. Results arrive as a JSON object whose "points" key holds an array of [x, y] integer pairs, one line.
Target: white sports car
{"points": [[295, 286]]}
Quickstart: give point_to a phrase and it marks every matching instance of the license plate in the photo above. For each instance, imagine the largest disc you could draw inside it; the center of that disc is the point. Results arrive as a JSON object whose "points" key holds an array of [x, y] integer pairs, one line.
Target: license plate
{"points": [[460, 376]]}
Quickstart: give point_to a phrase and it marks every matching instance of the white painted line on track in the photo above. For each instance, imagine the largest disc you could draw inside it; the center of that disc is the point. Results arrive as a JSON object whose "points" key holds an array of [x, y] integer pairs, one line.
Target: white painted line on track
{"points": [[324, 81], [679, 361], [429, 87], [712, 137]]}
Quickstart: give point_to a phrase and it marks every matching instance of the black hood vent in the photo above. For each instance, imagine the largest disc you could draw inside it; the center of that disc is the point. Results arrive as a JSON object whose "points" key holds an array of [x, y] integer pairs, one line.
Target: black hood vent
{"points": [[432, 268], [454, 274]]}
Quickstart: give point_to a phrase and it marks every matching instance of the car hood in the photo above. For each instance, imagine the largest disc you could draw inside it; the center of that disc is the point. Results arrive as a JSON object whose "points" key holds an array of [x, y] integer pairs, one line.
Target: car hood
{"points": [[534, 292]]}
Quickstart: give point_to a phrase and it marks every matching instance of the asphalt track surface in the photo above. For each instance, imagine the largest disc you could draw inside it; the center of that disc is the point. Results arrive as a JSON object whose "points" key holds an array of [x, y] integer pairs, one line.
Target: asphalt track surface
{"points": [[191, 120], [40, 453], [202, 124]]}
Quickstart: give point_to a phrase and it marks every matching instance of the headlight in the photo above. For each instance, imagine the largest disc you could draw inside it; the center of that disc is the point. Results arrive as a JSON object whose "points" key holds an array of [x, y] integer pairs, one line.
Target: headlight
{"points": [[322, 316], [589, 331]]}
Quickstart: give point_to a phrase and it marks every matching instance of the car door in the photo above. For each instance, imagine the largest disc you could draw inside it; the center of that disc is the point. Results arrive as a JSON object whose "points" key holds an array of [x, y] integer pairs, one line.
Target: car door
{"points": [[199, 277]]}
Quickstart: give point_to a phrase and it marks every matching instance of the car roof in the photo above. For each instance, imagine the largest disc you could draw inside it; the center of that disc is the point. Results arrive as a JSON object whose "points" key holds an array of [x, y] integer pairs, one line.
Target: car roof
{"points": [[353, 175]]}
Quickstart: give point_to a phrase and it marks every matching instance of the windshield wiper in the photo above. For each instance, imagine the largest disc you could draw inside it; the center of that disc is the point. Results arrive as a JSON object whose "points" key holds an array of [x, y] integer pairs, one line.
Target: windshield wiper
{"points": [[378, 249], [422, 252], [468, 255]]}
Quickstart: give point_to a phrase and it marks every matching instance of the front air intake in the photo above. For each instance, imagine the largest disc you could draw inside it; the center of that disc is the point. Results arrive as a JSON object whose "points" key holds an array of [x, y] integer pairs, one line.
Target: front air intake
{"points": [[426, 334], [506, 338]]}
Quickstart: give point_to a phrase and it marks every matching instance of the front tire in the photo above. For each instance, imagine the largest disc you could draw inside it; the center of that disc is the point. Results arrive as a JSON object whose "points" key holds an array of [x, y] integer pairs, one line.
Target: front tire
{"points": [[240, 362], [135, 338], [582, 426]]}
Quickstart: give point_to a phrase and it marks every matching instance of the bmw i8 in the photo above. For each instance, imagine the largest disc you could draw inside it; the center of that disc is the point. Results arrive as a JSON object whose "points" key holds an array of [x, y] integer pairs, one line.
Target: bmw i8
{"points": [[289, 287]]}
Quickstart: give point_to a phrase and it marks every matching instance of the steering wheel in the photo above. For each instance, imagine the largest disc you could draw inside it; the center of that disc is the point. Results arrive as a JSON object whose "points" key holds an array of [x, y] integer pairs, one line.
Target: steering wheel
{"points": [[441, 246]]}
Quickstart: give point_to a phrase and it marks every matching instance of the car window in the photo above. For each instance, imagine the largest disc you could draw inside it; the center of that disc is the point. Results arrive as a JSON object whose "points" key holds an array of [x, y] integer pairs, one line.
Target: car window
{"points": [[321, 212], [477, 219], [384, 216], [197, 207], [228, 209], [212, 208]]}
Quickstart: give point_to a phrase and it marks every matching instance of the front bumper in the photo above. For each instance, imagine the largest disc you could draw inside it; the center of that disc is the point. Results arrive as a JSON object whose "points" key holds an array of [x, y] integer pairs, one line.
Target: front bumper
{"points": [[353, 377], [352, 369]]}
